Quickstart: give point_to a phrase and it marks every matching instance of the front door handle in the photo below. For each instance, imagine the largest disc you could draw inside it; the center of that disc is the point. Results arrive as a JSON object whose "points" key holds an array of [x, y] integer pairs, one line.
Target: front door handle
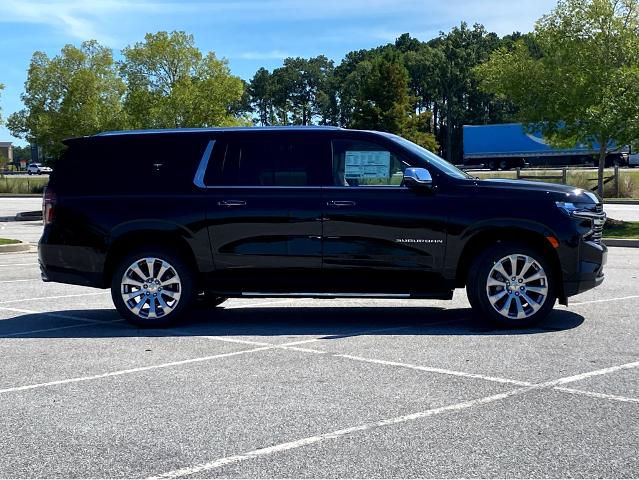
{"points": [[231, 203], [341, 203]]}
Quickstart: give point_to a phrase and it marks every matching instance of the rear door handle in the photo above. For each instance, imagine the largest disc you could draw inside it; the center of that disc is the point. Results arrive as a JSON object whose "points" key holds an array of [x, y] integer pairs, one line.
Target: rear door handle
{"points": [[231, 203], [341, 203]]}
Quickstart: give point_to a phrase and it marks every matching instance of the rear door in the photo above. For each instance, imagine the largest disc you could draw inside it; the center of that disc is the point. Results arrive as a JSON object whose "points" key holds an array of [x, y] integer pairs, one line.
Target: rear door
{"points": [[264, 209]]}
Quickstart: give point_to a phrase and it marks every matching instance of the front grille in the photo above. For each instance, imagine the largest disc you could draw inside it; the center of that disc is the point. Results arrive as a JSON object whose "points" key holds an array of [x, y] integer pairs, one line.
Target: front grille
{"points": [[597, 217], [597, 233]]}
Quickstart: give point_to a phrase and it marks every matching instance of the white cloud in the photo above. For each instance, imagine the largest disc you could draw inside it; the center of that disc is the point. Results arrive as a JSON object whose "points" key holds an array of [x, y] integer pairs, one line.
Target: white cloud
{"points": [[271, 55], [78, 19]]}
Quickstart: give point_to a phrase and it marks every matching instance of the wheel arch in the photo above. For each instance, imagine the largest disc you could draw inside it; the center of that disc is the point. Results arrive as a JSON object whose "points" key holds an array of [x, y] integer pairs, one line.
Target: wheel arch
{"points": [[126, 242], [528, 237]]}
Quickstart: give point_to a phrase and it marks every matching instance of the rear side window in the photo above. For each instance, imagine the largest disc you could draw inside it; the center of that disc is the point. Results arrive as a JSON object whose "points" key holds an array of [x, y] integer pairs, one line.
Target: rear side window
{"points": [[130, 164], [268, 161]]}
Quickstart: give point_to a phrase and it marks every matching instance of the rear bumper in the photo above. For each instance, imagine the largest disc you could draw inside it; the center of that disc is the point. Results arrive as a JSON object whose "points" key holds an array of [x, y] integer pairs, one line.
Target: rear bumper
{"points": [[590, 272], [61, 275], [74, 265]]}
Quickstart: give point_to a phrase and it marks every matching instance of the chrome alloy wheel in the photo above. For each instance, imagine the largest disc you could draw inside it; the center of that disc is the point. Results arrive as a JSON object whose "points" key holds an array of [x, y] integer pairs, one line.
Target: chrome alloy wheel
{"points": [[517, 286], [151, 288]]}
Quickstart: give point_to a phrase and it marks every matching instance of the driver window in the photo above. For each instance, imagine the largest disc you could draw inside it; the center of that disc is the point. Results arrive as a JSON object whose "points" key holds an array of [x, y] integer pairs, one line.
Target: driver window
{"points": [[360, 163]]}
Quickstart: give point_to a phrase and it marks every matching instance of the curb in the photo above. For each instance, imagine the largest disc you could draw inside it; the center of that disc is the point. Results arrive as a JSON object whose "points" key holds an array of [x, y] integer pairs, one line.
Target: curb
{"points": [[23, 217], [621, 242], [620, 202], [15, 247], [26, 216], [20, 195]]}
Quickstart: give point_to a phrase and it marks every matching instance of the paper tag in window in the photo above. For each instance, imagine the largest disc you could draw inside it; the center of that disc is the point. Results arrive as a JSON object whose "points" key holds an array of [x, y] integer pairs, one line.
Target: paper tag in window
{"points": [[367, 164]]}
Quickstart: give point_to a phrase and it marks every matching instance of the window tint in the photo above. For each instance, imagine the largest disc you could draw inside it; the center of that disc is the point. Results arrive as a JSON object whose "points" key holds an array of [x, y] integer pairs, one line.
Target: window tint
{"points": [[362, 163], [266, 160], [131, 164]]}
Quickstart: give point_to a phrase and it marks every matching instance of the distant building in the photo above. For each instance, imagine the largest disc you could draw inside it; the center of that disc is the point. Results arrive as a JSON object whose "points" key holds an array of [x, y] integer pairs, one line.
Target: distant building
{"points": [[6, 150]]}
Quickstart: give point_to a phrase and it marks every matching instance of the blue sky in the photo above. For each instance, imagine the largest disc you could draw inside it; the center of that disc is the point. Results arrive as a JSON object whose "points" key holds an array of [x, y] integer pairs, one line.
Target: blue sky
{"points": [[249, 33]]}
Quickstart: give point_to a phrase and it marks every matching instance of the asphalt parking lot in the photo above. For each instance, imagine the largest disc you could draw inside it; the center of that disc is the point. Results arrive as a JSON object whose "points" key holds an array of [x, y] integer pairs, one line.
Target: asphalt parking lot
{"points": [[317, 388]]}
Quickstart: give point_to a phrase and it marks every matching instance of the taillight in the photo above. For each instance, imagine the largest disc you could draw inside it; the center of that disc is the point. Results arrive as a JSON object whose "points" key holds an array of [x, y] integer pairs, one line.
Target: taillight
{"points": [[48, 203]]}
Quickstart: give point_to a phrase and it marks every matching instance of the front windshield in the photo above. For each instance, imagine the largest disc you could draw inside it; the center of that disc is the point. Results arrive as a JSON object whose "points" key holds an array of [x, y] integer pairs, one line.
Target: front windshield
{"points": [[430, 157]]}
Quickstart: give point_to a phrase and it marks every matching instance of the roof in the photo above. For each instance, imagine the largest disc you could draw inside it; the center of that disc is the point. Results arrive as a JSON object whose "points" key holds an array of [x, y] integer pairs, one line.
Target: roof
{"points": [[217, 129]]}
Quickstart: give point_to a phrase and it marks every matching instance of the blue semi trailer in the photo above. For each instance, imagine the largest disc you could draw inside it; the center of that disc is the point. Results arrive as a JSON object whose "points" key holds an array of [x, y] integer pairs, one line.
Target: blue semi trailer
{"points": [[508, 145]]}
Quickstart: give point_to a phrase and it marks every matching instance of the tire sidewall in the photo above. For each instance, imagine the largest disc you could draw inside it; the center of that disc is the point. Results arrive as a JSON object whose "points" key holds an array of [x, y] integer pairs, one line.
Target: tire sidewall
{"points": [[186, 279], [480, 272]]}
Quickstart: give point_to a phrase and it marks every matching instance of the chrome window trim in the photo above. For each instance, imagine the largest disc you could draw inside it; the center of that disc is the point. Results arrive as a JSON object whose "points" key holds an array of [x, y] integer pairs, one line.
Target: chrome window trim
{"points": [[198, 180]]}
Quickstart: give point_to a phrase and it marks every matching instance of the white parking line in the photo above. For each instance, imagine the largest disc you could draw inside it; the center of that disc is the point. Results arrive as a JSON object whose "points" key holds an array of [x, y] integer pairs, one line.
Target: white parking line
{"points": [[86, 322], [435, 370], [603, 300], [183, 472], [54, 297], [129, 371], [53, 329], [21, 280], [17, 264], [604, 396], [54, 315], [196, 469]]}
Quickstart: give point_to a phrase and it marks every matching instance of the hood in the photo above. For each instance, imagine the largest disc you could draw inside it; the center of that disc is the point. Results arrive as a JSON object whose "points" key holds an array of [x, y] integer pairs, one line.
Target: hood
{"points": [[555, 189]]}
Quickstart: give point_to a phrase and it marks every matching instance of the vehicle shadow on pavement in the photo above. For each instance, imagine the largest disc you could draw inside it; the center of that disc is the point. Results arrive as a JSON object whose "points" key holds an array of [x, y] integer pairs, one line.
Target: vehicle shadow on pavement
{"points": [[324, 322]]}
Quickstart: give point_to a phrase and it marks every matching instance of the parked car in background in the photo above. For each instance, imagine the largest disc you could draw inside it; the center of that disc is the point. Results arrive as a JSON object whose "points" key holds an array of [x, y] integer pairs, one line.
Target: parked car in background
{"points": [[633, 160], [38, 169]]}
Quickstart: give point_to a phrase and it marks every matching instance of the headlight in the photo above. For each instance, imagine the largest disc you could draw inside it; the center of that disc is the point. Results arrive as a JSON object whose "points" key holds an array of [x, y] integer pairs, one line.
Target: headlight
{"points": [[579, 210]]}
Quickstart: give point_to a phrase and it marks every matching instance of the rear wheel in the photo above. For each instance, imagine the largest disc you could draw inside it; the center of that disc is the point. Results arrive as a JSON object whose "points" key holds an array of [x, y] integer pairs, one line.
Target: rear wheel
{"points": [[512, 285], [152, 287]]}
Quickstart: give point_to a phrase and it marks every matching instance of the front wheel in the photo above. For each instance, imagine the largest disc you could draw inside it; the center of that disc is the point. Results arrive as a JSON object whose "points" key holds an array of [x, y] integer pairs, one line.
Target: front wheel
{"points": [[512, 285], [152, 287]]}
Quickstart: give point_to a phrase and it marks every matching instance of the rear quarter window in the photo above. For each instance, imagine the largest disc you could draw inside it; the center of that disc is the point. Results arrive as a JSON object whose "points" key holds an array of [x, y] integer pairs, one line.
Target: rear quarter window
{"points": [[130, 164]]}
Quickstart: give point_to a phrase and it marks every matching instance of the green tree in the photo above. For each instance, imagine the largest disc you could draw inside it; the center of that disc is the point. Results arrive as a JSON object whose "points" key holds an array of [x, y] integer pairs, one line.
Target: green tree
{"points": [[170, 84], [75, 93], [383, 101], [582, 85], [21, 153], [459, 99], [302, 87], [260, 89], [417, 131]]}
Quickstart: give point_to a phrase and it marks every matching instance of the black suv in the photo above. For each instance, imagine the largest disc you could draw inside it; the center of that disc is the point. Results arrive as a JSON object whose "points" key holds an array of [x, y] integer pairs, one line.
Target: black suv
{"points": [[310, 212]]}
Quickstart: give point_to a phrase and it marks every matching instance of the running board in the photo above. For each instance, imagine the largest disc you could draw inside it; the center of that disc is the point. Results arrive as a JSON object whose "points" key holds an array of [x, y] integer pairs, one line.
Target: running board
{"points": [[448, 295]]}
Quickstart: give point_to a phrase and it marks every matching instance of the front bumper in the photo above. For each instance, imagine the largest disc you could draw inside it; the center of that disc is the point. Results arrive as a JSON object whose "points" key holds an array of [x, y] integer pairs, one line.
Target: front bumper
{"points": [[590, 271]]}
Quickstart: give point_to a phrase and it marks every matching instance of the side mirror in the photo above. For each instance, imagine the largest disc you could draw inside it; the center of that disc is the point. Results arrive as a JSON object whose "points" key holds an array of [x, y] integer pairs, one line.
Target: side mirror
{"points": [[417, 177]]}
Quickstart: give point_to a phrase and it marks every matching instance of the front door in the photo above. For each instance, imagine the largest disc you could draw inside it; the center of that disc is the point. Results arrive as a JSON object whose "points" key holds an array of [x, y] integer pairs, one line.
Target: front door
{"points": [[379, 236]]}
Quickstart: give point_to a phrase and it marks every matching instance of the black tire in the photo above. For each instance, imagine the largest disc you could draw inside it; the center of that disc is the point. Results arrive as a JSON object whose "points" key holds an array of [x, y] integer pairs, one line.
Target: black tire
{"points": [[492, 164], [504, 165], [478, 275], [185, 287]]}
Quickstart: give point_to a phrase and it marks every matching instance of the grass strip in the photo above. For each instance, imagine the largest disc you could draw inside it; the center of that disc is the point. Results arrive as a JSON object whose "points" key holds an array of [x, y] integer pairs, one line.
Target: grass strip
{"points": [[8, 241], [619, 229]]}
